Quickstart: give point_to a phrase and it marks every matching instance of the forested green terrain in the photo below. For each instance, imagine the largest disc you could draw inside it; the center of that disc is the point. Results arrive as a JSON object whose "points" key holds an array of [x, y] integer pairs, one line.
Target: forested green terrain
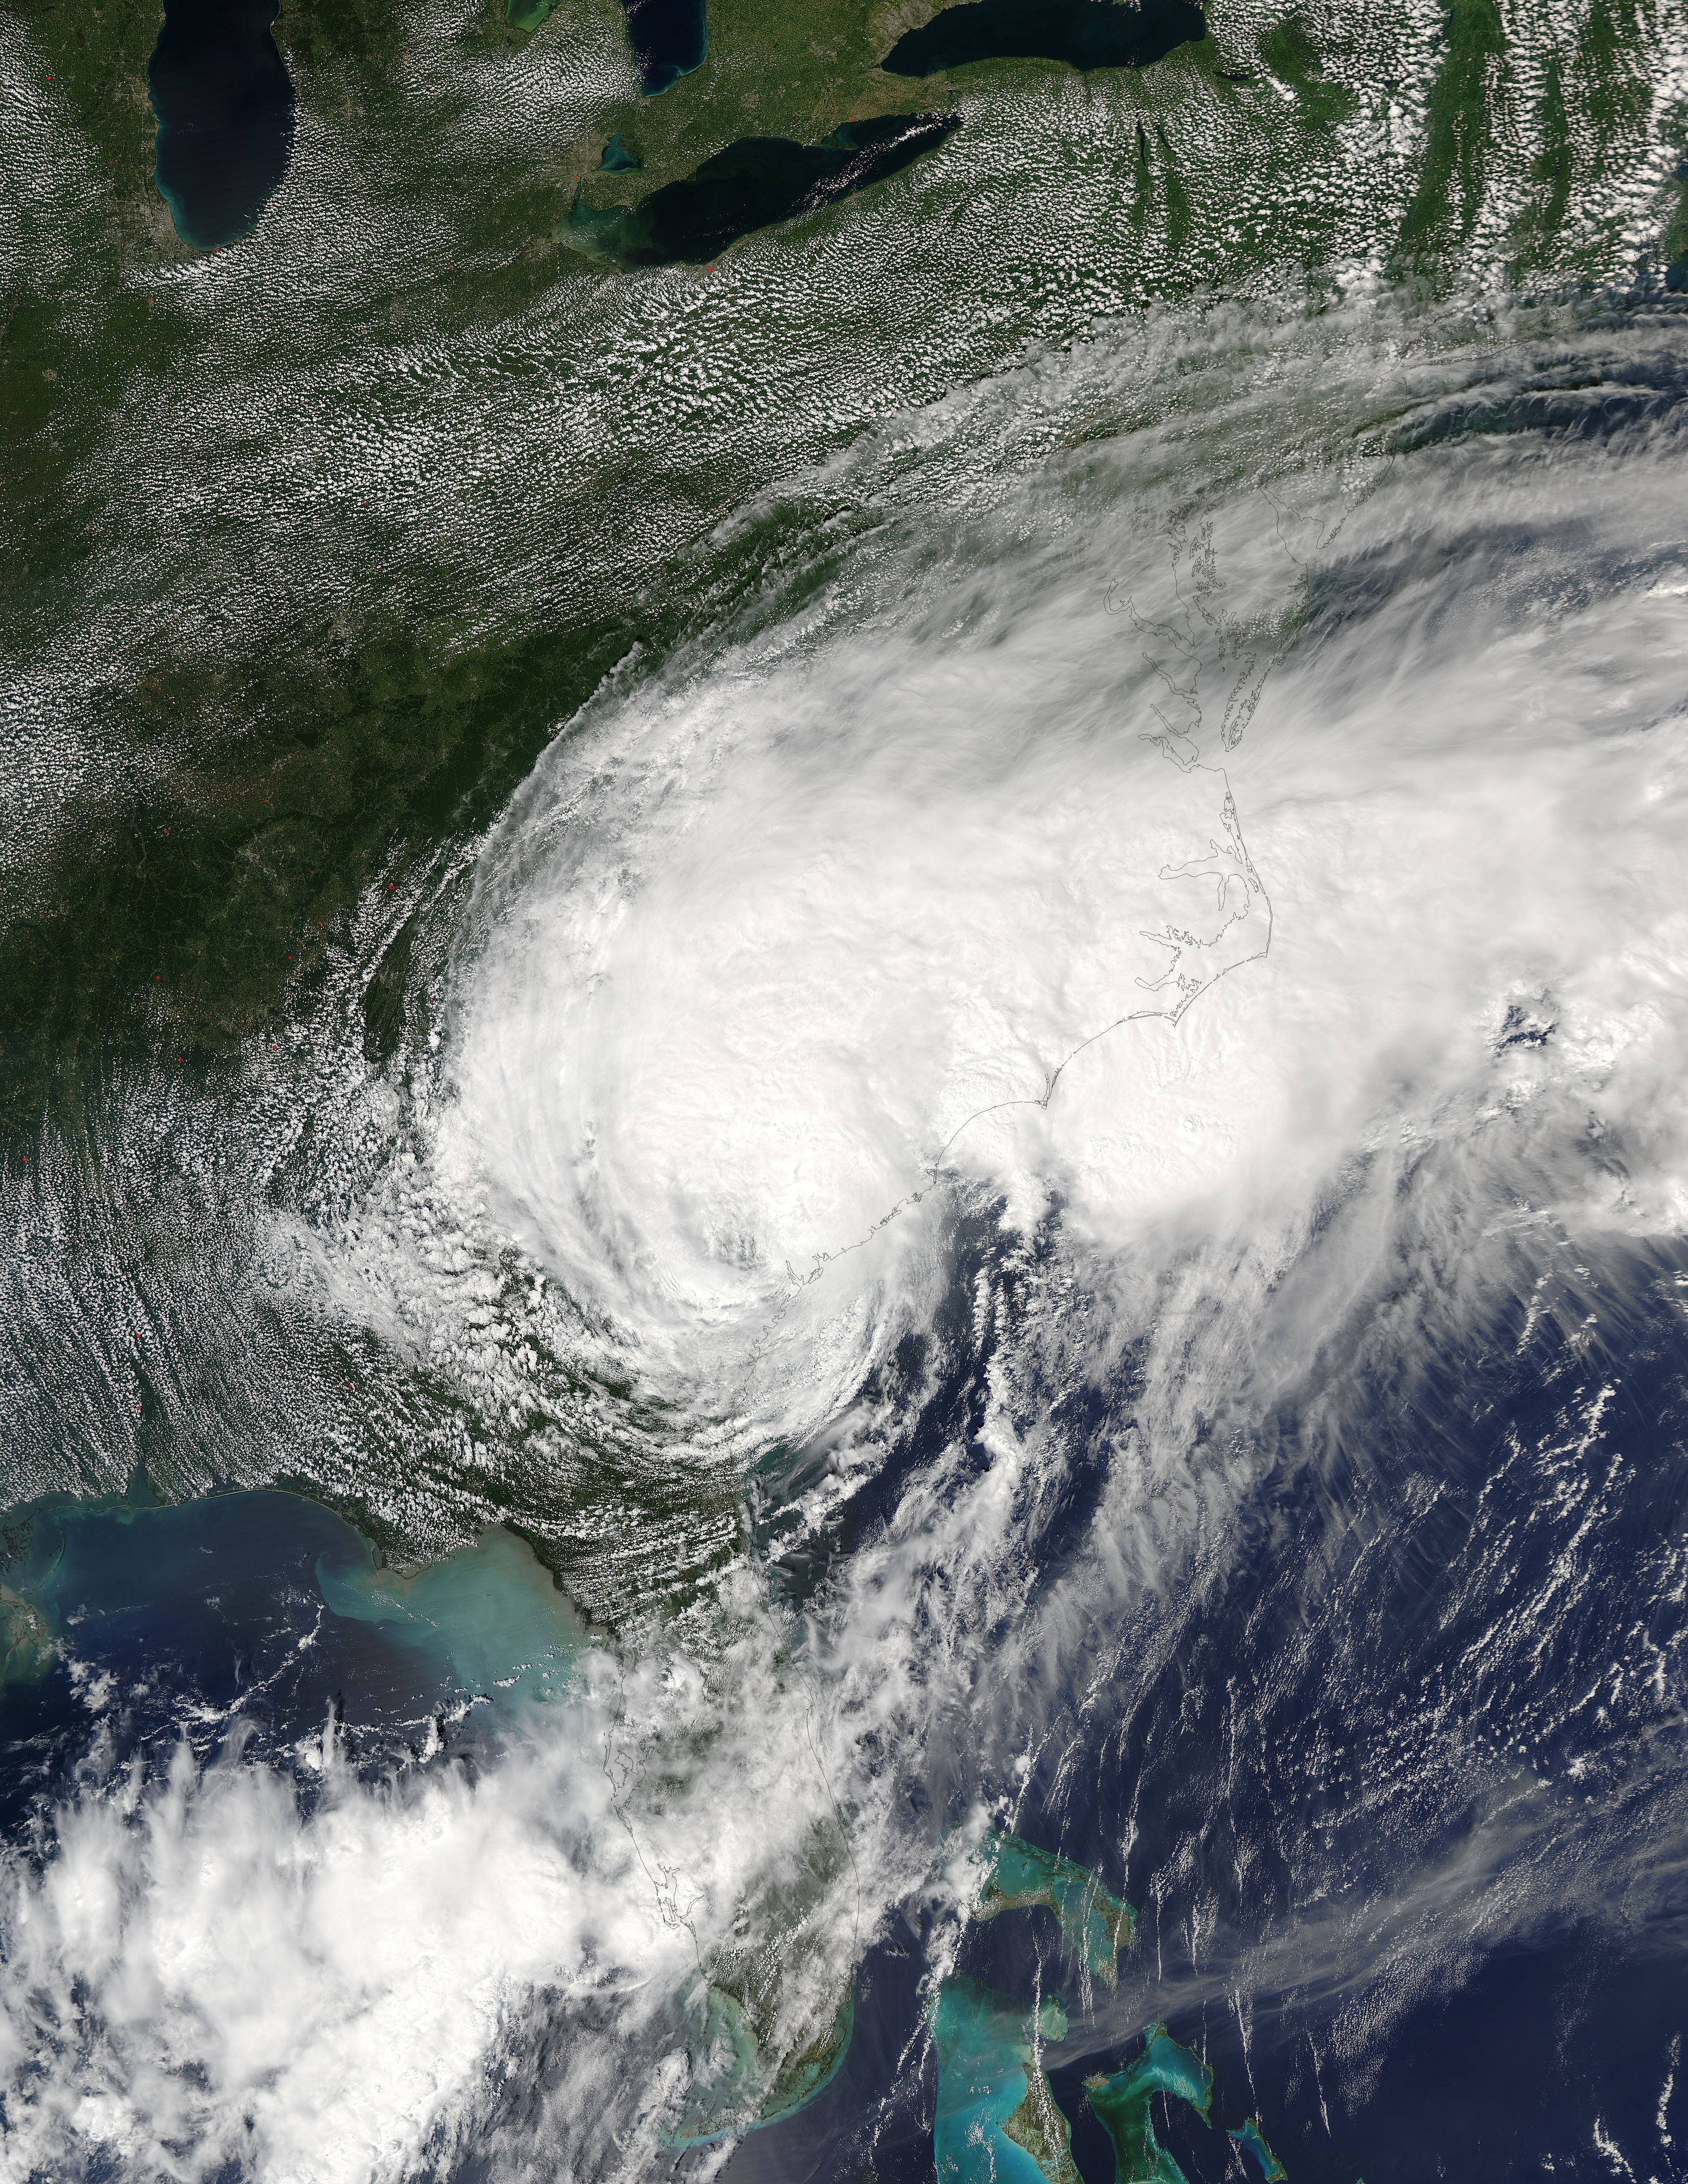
{"points": [[310, 544]]}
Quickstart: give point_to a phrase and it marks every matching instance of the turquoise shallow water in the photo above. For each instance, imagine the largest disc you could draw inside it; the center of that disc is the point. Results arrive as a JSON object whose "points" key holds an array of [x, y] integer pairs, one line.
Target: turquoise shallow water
{"points": [[987, 2046], [1124, 2105], [1096, 1926], [1252, 2140], [619, 157]]}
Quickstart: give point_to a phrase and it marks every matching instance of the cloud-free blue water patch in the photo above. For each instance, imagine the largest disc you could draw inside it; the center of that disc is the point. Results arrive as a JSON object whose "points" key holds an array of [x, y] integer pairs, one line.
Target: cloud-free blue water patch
{"points": [[670, 39], [1085, 34], [224, 105]]}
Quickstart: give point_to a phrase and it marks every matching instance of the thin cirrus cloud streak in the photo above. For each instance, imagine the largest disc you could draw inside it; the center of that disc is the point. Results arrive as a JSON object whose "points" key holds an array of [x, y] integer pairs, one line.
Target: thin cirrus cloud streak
{"points": [[753, 946]]}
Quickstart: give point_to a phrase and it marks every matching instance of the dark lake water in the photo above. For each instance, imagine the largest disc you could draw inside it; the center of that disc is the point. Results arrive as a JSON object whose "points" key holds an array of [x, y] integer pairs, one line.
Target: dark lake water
{"points": [[224, 104], [670, 38], [1086, 33], [756, 183]]}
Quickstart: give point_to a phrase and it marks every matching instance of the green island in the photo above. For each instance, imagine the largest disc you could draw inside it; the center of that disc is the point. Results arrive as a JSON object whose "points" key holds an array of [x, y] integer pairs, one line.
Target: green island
{"points": [[28, 1645], [1252, 2140], [1124, 2105], [1018, 1876], [997, 2121]]}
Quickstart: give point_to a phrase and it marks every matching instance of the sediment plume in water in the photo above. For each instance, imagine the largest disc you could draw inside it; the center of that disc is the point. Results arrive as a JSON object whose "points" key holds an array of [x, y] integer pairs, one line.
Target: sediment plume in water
{"points": [[1107, 1072]]}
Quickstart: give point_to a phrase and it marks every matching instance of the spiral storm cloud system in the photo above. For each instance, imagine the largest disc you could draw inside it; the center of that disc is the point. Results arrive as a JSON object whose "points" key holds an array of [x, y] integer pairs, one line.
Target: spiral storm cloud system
{"points": [[844, 1046]]}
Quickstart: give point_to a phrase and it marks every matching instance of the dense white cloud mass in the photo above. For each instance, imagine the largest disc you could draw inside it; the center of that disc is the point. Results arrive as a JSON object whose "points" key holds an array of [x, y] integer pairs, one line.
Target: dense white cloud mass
{"points": [[1267, 891], [786, 944], [205, 1972], [929, 885]]}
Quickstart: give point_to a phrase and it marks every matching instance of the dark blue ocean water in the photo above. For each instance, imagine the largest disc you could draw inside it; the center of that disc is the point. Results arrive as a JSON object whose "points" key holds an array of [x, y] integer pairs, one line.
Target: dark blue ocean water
{"points": [[1394, 1780], [224, 104], [1400, 1804]]}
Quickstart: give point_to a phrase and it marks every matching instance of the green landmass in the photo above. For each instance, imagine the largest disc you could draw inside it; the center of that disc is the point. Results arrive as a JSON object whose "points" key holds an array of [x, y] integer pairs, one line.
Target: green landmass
{"points": [[308, 548], [1289, 51], [770, 2020], [285, 730], [1019, 1876], [997, 2121], [1252, 2140], [1124, 2106], [1042, 2132], [735, 2087], [28, 1647]]}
